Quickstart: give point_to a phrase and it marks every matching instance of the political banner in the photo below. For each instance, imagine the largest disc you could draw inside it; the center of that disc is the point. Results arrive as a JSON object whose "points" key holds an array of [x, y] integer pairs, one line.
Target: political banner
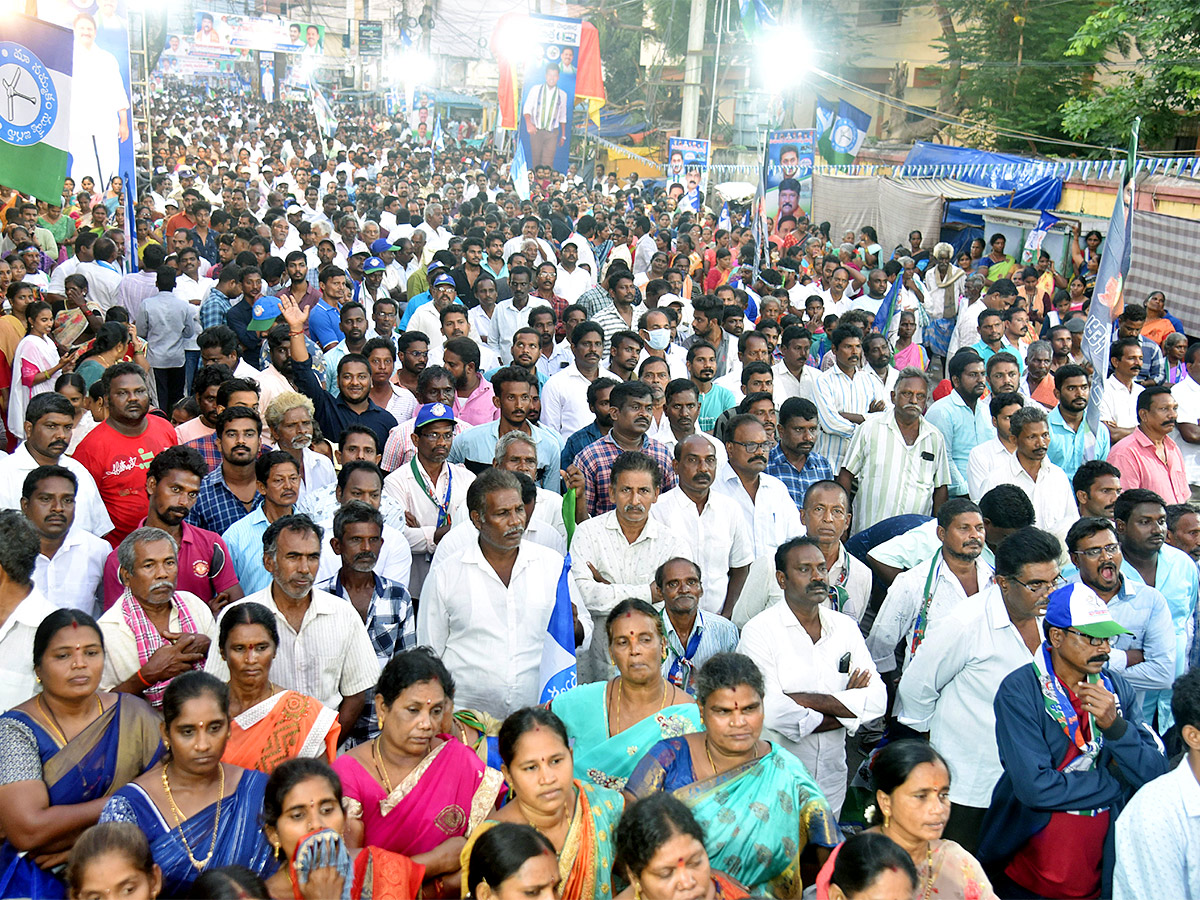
{"points": [[370, 37], [787, 172], [101, 125], [687, 165], [839, 143], [220, 32], [266, 71], [548, 92], [36, 60]]}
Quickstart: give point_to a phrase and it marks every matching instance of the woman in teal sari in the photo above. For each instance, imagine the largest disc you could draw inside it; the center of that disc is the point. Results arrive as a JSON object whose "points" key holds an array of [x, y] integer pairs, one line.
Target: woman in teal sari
{"points": [[62, 752], [613, 723], [757, 804], [198, 812]]}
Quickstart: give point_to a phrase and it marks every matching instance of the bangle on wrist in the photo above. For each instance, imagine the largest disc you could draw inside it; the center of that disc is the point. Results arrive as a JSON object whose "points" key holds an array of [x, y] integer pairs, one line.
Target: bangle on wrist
{"points": [[142, 678]]}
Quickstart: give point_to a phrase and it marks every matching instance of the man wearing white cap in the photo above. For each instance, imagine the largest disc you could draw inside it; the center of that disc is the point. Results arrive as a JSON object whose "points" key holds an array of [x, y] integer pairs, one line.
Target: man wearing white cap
{"points": [[1065, 728]]}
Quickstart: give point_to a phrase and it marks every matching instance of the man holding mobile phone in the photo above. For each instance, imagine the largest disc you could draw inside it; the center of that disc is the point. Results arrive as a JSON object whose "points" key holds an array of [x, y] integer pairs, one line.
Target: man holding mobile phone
{"points": [[820, 680]]}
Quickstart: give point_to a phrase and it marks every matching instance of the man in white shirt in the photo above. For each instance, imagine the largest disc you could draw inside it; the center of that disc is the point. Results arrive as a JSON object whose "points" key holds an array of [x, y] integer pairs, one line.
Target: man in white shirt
{"points": [[950, 684], [70, 566], [922, 598], [486, 616], [564, 395], [22, 608], [324, 649], [103, 276], [1046, 485], [845, 395], [709, 523], [49, 419], [793, 376], [614, 556], [546, 118], [764, 501], [572, 279], [998, 451], [820, 681], [436, 237], [513, 313], [1118, 406]]}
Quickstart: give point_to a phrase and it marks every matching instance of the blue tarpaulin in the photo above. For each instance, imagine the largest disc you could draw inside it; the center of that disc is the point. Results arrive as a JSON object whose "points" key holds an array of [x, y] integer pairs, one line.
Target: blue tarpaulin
{"points": [[617, 125], [1032, 188]]}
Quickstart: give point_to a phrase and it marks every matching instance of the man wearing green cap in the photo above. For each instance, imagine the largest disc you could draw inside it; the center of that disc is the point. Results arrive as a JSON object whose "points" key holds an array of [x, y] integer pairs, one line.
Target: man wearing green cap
{"points": [[1064, 728]]}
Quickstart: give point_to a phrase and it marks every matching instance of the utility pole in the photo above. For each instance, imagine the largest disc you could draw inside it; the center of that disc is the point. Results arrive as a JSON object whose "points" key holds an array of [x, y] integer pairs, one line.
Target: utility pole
{"points": [[689, 126]]}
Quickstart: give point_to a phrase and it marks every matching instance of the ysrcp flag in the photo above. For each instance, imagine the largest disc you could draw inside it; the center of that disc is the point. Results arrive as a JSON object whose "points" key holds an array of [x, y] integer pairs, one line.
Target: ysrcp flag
{"points": [[825, 115], [839, 144], [519, 171], [724, 221], [1033, 243], [558, 671], [36, 60]]}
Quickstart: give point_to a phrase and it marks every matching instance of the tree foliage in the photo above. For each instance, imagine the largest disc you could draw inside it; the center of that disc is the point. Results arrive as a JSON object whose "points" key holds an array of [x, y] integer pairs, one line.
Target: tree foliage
{"points": [[1014, 74], [1163, 36]]}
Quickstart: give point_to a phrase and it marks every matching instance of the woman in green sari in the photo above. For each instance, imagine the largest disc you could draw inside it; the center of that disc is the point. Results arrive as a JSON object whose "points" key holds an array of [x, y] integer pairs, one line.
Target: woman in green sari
{"points": [[757, 804], [613, 723]]}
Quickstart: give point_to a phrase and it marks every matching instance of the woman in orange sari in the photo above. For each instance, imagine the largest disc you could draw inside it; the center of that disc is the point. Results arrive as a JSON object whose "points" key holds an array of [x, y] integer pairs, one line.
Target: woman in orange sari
{"points": [[269, 725], [304, 821], [579, 819]]}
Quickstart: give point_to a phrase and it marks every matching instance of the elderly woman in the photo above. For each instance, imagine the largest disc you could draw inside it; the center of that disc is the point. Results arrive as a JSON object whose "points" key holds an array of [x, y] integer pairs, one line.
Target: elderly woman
{"points": [[613, 723], [290, 418], [733, 782], [1175, 348], [65, 750]]}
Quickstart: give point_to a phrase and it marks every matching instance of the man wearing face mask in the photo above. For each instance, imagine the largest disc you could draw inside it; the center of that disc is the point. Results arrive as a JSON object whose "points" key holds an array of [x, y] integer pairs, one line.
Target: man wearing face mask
{"points": [[654, 326], [820, 681]]}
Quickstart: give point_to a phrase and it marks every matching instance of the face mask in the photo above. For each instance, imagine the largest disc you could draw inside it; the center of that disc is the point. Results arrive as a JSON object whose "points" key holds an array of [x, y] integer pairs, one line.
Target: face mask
{"points": [[660, 338]]}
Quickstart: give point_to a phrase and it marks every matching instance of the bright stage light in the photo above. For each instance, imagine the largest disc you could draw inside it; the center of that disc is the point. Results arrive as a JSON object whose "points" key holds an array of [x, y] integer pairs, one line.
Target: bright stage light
{"points": [[412, 67], [787, 56], [516, 41]]}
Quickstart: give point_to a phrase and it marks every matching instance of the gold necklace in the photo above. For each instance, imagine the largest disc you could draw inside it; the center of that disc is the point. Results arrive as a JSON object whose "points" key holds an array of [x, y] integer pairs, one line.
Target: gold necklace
{"points": [[928, 864], [713, 765], [380, 767], [617, 720], [52, 720], [179, 820]]}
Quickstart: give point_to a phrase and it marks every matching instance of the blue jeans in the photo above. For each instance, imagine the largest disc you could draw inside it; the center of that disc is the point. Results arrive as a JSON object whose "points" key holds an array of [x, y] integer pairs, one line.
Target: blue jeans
{"points": [[190, 364]]}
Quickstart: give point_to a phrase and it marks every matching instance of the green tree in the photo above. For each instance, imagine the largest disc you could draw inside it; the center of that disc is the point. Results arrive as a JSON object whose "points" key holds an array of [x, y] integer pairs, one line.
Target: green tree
{"points": [[1012, 75], [1164, 37]]}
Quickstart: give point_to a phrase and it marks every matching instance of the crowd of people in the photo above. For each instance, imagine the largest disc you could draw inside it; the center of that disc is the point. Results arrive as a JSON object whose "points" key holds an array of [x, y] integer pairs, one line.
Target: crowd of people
{"points": [[297, 510]]}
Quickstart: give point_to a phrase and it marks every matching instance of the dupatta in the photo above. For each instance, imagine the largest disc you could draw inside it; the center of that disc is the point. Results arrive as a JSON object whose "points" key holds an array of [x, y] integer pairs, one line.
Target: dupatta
{"points": [[37, 354], [609, 761], [757, 817], [586, 861], [109, 753], [446, 795], [284, 726]]}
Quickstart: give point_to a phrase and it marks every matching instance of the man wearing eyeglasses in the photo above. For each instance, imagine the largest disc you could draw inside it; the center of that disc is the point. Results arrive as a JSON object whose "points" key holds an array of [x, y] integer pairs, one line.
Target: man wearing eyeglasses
{"points": [[948, 688], [1145, 656], [1073, 747], [763, 499]]}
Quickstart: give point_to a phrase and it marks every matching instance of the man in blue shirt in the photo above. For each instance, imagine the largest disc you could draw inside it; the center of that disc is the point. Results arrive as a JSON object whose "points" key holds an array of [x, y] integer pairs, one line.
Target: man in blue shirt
{"points": [[964, 422], [597, 399], [324, 320], [1069, 431], [278, 479]]}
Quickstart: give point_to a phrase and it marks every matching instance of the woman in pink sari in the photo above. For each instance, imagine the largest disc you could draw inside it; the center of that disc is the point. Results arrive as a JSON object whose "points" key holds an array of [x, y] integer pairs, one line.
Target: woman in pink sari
{"points": [[411, 790], [35, 364], [908, 352]]}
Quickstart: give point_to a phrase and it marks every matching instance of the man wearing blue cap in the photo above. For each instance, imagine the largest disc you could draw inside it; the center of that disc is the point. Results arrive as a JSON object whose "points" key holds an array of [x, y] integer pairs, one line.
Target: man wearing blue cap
{"points": [[1064, 729], [429, 487], [428, 318], [373, 268]]}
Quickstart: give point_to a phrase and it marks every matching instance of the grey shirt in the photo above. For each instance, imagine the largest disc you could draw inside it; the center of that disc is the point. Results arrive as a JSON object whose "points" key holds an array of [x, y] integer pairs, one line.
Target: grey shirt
{"points": [[166, 322]]}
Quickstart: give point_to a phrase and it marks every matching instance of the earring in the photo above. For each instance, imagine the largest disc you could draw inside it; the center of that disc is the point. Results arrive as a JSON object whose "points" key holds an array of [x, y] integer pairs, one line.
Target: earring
{"points": [[887, 820], [637, 891]]}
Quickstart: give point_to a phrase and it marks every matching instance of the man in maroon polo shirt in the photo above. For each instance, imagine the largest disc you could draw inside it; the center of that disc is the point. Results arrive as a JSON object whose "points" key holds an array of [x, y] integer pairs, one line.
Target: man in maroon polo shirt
{"points": [[205, 567]]}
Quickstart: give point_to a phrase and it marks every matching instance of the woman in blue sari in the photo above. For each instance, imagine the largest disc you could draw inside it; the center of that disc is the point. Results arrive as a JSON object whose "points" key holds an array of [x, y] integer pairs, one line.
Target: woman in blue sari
{"points": [[613, 723], [198, 812], [63, 752], [757, 804]]}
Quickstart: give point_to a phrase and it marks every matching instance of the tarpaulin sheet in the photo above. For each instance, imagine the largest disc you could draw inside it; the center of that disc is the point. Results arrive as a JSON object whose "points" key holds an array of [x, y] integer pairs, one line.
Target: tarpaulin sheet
{"points": [[1032, 188], [1161, 247], [852, 201], [614, 125]]}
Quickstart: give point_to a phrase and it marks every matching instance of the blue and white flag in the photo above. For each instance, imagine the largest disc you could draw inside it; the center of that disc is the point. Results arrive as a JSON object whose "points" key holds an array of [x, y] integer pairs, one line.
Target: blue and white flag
{"points": [[1033, 243], [558, 672], [520, 171], [323, 112], [439, 140], [1108, 299], [692, 200], [888, 306], [723, 220], [840, 142], [746, 218], [826, 113]]}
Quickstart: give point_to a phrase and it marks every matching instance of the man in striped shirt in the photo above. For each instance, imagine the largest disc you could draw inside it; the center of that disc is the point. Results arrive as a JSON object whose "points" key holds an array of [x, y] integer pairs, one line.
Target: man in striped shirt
{"points": [[846, 393], [545, 115], [899, 459]]}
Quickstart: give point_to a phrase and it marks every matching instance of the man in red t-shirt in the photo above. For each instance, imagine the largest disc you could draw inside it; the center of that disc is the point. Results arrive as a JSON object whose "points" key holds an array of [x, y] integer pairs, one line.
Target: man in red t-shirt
{"points": [[118, 451], [182, 219]]}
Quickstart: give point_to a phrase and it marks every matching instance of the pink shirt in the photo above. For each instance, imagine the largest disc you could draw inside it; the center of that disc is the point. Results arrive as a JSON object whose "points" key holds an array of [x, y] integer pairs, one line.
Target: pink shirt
{"points": [[205, 568], [478, 408], [1141, 467]]}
